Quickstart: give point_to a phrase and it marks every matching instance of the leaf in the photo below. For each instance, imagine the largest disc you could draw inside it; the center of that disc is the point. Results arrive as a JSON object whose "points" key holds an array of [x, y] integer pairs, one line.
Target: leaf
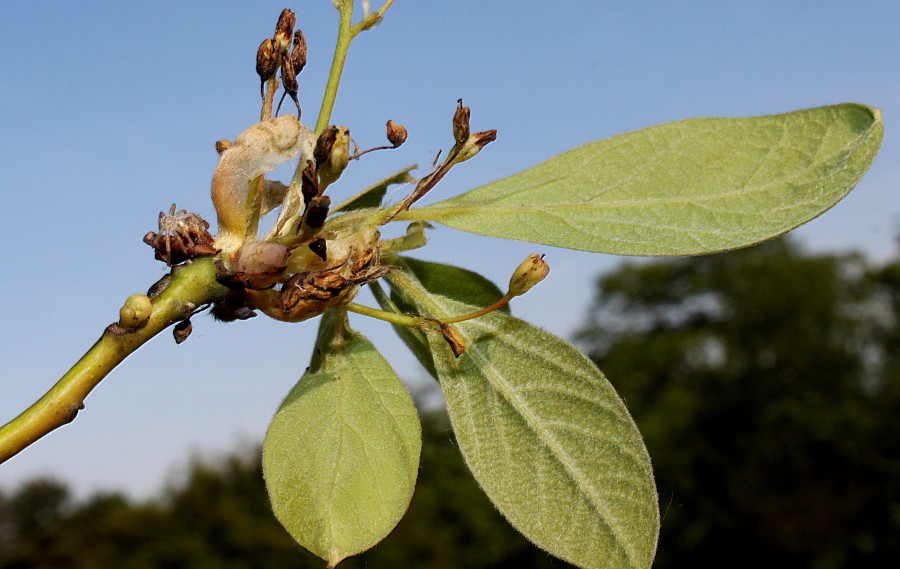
{"points": [[453, 282], [371, 197], [546, 436], [342, 453], [444, 280], [688, 187]]}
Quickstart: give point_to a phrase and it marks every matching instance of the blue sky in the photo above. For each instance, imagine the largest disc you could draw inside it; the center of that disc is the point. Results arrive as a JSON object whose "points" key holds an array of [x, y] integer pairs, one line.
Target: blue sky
{"points": [[109, 112]]}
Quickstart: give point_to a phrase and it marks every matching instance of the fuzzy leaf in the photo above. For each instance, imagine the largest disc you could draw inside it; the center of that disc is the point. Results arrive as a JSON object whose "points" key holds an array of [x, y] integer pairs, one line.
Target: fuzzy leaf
{"points": [[688, 187], [342, 453], [371, 197], [546, 436], [444, 280]]}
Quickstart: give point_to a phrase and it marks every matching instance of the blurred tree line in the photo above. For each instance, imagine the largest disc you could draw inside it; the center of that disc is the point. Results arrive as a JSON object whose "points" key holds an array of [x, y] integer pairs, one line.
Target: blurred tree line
{"points": [[766, 382]]}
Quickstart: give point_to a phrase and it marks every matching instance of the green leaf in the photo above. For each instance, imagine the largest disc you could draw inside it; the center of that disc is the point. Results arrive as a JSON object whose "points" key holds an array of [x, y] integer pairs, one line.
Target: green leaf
{"points": [[342, 453], [457, 283], [546, 436], [452, 282], [371, 197], [689, 187]]}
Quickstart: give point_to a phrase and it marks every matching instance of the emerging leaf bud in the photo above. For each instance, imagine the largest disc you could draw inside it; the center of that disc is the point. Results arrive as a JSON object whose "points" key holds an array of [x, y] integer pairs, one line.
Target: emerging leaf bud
{"points": [[532, 271], [266, 59], [461, 123], [396, 134], [298, 52], [136, 311], [284, 29]]}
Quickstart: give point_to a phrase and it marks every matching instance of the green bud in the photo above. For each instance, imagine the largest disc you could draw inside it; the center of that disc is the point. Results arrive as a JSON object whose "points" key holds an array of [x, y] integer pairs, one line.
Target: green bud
{"points": [[136, 311], [532, 271]]}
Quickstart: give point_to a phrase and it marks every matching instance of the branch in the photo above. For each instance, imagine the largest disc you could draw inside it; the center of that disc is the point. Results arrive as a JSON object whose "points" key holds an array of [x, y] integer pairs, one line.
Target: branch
{"points": [[192, 285]]}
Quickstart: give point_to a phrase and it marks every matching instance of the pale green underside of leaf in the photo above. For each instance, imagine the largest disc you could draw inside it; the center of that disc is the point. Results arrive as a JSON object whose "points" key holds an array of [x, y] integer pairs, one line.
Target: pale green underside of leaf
{"points": [[371, 197], [342, 453], [546, 436], [689, 187], [445, 280]]}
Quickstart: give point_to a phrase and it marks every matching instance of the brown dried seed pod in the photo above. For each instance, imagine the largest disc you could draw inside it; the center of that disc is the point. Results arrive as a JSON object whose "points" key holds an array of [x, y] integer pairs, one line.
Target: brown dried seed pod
{"points": [[284, 29], [182, 235], [298, 52], [317, 212], [324, 145], [320, 248], [222, 146], [266, 59], [396, 134], [461, 123], [309, 183], [454, 339]]}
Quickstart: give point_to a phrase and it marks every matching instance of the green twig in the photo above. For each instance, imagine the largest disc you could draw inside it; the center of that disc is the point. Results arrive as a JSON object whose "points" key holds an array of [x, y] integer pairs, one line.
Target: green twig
{"points": [[345, 34], [192, 286], [392, 317]]}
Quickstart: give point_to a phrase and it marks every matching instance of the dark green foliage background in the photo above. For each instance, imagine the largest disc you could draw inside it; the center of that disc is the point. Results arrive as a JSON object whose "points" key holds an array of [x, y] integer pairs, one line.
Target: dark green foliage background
{"points": [[220, 518], [766, 382], [767, 385]]}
